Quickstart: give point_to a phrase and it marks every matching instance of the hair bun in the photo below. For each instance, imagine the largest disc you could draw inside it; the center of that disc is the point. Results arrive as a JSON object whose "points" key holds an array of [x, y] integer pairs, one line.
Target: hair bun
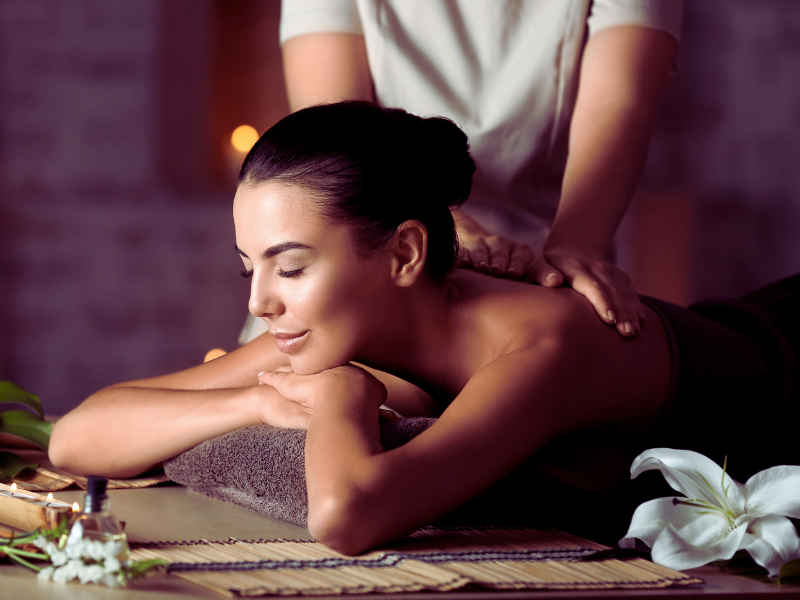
{"points": [[446, 150], [437, 152]]}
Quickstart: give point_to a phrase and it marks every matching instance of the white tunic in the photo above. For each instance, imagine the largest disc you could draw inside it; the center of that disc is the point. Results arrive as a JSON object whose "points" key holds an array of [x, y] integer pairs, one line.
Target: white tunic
{"points": [[506, 71]]}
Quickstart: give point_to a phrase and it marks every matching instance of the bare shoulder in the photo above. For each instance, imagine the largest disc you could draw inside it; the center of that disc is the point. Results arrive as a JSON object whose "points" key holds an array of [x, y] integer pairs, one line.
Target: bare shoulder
{"points": [[570, 352]]}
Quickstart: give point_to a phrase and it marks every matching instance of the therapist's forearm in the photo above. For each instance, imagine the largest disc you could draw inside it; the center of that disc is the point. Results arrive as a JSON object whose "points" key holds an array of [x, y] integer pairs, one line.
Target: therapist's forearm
{"points": [[623, 74], [608, 149]]}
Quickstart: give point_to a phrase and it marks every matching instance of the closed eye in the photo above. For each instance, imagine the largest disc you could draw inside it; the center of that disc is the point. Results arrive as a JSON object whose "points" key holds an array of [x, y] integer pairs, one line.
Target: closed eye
{"points": [[247, 274], [292, 273]]}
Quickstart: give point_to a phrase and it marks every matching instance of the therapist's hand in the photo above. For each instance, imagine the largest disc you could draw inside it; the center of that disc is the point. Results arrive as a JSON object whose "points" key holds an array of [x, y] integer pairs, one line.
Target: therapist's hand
{"points": [[488, 253], [608, 288]]}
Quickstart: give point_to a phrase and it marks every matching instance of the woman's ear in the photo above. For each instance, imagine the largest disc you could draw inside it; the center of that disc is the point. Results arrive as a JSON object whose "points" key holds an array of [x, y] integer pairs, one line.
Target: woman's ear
{"points": [[409, 252]]}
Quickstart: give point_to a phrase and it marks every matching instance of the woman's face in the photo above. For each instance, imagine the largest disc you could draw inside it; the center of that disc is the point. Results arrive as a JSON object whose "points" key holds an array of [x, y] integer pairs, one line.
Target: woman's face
{"points": [[320, 299]]}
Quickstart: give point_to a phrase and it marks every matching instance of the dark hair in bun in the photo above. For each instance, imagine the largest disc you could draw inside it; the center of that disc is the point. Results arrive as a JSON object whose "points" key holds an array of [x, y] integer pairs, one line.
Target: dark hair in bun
{"points": [[372, 168]]}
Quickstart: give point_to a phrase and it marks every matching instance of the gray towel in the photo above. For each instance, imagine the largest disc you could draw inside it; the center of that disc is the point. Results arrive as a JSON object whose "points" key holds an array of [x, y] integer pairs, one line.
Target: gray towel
{"points": [[263, 468]]}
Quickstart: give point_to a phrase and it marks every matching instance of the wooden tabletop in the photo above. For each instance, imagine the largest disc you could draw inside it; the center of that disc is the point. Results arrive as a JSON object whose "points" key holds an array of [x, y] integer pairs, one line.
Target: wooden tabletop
{"points": [[177, 514]]}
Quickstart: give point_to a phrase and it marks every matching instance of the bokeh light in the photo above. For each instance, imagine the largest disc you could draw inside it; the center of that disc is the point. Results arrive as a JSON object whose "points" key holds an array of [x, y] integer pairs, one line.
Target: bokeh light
{"points": [[243, 138]]}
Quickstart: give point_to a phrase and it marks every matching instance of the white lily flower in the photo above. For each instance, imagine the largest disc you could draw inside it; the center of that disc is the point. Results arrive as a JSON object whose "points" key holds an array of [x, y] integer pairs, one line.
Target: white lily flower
{"points": [[718, 515]]}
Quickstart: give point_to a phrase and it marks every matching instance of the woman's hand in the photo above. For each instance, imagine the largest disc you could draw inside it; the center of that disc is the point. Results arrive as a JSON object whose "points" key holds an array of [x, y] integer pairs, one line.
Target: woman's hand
{"points": [[303, 391], [278, 411], [487, 253], [609, 289]]}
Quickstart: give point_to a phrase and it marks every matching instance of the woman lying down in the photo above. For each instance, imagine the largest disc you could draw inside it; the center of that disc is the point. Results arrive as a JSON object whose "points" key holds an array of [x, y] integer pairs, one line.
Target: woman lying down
{"points": [[343, 223]]}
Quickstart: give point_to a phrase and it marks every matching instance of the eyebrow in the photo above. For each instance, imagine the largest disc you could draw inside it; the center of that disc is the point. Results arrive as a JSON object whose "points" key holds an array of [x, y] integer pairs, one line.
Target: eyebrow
{"points": [[276, 249]]}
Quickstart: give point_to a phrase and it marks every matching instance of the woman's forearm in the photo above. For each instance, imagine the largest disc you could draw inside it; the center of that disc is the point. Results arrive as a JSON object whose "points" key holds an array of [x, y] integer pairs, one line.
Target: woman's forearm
{"points": [[121, 431], [341, 449]]}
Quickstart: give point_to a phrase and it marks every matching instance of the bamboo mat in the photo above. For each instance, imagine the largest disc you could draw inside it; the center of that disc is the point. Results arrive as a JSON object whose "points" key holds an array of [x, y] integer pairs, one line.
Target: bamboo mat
{"points": [[431, 559], [48, 478]]}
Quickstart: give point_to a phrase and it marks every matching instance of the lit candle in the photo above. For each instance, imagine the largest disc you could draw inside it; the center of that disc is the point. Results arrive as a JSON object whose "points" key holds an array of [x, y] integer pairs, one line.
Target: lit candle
{"points": [[75, 507], [16, 494]]}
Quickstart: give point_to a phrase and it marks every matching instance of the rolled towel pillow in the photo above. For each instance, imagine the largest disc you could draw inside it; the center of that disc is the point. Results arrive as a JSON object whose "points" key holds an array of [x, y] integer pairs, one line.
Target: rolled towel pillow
{"points": [[263, 468]]}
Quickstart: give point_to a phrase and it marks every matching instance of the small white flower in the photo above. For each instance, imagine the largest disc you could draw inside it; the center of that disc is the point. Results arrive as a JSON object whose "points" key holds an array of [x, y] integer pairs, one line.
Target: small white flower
{"points": [[112, 565], [718, 516], [57, 557], [111, 580], [40, 542], [46, 574], [95, 550], [68, 572], [112, 549], [91, 573], [74, 550], [50, 548]]}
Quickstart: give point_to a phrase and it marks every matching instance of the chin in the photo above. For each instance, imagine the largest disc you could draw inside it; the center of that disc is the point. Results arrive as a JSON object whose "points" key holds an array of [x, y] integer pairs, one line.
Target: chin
{"points": [[309, 365]]}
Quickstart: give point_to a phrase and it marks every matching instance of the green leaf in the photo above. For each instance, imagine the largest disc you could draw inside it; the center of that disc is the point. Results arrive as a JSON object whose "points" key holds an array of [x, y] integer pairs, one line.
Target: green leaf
{"points": [[26, 426], [11, 392], [138, 568], [12, 465]]}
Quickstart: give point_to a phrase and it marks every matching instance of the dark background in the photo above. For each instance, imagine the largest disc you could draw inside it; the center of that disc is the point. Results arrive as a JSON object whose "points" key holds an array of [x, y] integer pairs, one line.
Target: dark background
{"points": [[116, 239]]}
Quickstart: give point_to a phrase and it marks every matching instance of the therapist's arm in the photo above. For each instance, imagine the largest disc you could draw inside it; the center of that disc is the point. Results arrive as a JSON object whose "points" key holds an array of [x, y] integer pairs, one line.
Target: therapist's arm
{"points": [[623, 74], [326, 67]]}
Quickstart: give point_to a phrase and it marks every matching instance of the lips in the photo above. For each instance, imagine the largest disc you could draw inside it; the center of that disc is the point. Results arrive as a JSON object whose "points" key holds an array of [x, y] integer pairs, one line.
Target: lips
{"points": [[289, 342]]}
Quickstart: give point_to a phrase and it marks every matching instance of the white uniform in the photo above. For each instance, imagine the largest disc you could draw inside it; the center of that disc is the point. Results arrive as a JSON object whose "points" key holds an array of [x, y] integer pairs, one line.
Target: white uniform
{"points": [[506, 71]]}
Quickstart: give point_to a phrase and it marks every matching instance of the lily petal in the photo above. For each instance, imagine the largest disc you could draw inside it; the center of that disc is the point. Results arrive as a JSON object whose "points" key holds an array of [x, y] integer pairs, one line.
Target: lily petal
{"points": [[774, 542], [678, 550], [693, 475], [774, 491], [652, 517]]}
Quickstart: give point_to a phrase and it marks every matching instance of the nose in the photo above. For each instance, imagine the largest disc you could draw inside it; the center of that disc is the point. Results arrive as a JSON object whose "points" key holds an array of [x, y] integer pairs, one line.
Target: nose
{"points": [[263, 301]]}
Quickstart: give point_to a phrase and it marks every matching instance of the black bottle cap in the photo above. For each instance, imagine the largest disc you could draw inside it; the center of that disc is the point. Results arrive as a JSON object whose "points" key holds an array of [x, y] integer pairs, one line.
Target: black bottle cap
{"points": [[96, 486]]}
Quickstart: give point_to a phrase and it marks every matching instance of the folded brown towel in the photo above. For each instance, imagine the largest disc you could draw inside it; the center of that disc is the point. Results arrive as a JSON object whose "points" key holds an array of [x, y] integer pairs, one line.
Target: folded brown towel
{"points": [[263, 468]]}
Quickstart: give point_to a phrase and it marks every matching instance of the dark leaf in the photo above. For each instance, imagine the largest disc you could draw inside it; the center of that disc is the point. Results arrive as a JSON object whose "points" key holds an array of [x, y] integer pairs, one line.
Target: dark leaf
{"points": [[11, 392], [26, 426], [12, 465]]}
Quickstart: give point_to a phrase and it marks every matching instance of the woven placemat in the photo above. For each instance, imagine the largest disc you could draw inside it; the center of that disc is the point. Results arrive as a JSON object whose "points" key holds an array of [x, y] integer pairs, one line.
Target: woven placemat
{"points": [[431, 560], [48, 478]]}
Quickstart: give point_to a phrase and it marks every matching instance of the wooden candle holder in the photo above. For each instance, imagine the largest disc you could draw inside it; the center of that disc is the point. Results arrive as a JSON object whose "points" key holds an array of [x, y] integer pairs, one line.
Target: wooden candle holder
{"points": [[28, 510]]}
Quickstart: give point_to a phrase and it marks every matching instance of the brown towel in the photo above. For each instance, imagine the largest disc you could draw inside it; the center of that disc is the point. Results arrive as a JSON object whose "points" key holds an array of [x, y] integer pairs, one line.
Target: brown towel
{"points": [[263, 468]]}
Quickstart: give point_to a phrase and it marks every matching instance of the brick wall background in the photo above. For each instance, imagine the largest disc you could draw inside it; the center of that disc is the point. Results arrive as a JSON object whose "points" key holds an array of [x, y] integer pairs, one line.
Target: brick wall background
{"points": [[112, 268]]}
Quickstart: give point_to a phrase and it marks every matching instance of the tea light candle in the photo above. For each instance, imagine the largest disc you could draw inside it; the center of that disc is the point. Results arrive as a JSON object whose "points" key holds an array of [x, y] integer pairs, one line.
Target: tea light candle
{"points": [[32, 497], [15, 494], [50, 502]]}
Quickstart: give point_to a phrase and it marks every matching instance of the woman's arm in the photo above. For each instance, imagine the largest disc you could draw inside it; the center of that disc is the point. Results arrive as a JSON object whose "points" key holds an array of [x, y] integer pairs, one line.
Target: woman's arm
{"points": [[326, 67], [124, 429], [623, 74], [579, 376], [360, 497]]}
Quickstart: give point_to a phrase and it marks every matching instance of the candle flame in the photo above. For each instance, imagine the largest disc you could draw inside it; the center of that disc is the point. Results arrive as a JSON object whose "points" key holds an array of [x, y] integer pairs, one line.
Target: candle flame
{"points": [[49, 496], [13, 487], [75, 507]]}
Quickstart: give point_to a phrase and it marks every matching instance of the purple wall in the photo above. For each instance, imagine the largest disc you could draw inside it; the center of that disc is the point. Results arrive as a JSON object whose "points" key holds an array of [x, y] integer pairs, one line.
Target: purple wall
{"points": [[110, 272]]}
